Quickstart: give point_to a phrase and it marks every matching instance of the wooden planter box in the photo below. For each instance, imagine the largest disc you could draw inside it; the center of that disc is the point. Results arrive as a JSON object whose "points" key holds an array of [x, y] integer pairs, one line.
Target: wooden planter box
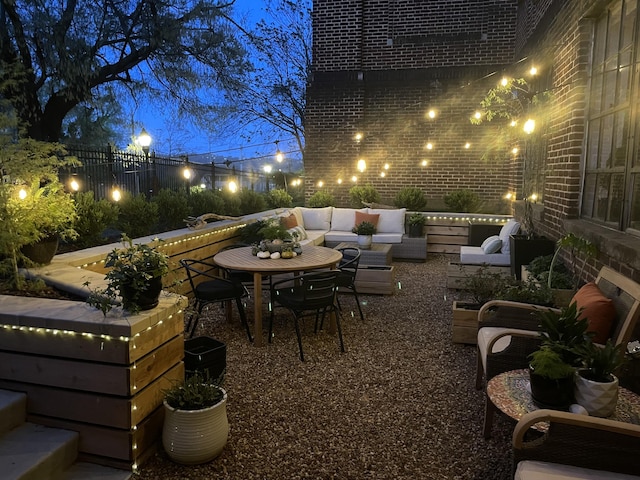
{"points": [[464, 327], [377, 279], [458, 272]]}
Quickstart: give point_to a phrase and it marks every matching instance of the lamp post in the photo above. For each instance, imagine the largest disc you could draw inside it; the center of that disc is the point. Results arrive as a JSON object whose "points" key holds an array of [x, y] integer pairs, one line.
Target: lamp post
{"points": [[144, 140], [187, 173], [267, 173]]}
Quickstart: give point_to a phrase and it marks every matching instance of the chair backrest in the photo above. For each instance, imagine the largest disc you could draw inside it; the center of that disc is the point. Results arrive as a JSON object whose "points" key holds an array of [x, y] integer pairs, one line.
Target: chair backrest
{"points": [[319, 289], [198, 268], [625, 294], [350, 261]]}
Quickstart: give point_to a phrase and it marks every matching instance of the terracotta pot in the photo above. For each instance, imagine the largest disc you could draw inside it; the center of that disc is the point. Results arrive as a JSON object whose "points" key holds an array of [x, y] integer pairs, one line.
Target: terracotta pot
{"points": [[192, 437], [598, 398]]}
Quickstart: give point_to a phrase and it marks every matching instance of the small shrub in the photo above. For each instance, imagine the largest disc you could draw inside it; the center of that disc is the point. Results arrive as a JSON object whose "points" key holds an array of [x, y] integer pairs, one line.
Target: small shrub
{"points": [[232, 203], [137, 216], [93, 218], [463, 201], [205, 201], [411, 198], [174, 207], [279, 198], [251, 201], [321, 198], [361, 195]]}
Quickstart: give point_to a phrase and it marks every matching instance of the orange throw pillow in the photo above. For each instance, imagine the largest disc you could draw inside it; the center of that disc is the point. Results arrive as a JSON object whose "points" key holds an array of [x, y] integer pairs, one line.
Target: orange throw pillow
{"points": [[289, 222], [367, 217], [597, 309]]}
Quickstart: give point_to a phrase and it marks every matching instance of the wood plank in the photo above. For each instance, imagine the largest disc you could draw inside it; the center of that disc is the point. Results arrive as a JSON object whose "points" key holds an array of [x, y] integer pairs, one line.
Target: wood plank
{"points": [[152, 366], [452, 249], [447, 240], [447, 230], [152, 338], [464, 326]]}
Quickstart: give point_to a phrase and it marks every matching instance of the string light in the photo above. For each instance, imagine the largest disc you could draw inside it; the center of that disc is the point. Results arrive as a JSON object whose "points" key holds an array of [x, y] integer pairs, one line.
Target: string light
{"points": [[22, 194], [362, 165]]}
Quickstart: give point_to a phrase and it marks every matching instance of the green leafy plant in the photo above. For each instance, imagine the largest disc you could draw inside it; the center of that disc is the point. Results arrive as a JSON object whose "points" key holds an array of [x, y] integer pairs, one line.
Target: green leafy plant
{"points": [[279, 198], [205, 201], [577, 246], [197, 392], [251, 201], [463, 201], [548, 363], [362, 195], [411, 198], [272, 229], [232, 203], [417, 219], [137, 215], [364, 228], [132, 267], [600, 362], [564, 332], [174, 208], [539, 268], [483, 284], [321, 198], [92, 218], [526, 291]]}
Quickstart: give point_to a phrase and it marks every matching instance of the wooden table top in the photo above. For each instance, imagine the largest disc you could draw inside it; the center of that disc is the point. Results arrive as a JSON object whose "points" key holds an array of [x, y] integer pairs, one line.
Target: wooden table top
{"points": [[312, 257]]}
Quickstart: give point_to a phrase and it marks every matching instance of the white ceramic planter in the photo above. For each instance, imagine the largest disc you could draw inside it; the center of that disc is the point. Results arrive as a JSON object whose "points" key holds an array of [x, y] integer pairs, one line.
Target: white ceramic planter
{"points": [[599, 399], [191, 437], [364, 241]]}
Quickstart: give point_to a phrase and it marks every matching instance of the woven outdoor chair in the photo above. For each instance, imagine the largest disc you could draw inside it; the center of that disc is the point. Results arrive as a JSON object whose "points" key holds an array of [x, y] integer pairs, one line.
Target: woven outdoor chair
{"points": [[573, 443], [348, 268], [508, 332], [305, 295], [208, 288]]}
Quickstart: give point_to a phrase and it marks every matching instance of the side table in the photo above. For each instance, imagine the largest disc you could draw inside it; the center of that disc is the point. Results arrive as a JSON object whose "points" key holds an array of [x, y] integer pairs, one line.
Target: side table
{"points": [[378, 254], [510, 393]]}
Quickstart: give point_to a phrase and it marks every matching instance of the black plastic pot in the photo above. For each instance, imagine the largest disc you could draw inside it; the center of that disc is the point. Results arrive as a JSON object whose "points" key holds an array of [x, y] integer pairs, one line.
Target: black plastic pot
{"points": [[548, 393], [523, 249], [144, 299], [42, 251]]}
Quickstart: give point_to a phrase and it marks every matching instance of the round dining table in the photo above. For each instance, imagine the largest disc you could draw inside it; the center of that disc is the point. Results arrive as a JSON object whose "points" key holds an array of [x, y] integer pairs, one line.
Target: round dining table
{"points": [[312, 258]]}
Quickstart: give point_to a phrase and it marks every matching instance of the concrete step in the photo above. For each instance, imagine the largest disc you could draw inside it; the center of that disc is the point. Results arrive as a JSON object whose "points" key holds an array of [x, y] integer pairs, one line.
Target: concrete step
{"points": [[36, 452], [91, 471], [13, 410]]}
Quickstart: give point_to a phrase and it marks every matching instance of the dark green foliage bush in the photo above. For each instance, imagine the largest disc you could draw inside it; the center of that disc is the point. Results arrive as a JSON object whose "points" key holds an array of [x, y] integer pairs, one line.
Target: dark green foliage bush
{"points": [[463, 201], [411, 198], [174, 208], [205, 201], [232, 203], [321, 198], [279, 198], [137, 216], [539, 269], [361, 195], [93, 218], [251, 201], [198, 392]]}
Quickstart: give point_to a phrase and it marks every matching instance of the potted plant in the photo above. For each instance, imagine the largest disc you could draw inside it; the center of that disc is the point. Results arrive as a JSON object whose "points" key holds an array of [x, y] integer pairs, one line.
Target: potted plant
{"points": [[596, 386], [551, 379], [365, 231], [135, 276], [196, 427], [416, 222], [577, 246]]}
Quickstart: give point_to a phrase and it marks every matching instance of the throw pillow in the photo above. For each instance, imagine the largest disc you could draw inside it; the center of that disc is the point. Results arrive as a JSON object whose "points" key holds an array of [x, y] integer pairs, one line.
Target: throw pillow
{"points": [[298, 229], [391, 220], [367, 217], [597, 309], [508, 229], [289, 221], [316, 218], [492, 244]]}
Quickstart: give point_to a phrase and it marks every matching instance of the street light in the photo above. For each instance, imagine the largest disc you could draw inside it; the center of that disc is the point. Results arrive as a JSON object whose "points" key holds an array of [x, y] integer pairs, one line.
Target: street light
{"points": [[267, 170], [144, 140], [279, 154]]}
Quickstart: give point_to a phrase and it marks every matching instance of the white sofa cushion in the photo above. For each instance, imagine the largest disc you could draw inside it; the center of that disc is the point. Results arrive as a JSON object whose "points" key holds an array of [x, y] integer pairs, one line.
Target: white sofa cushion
{"points": [[343, 219], [386, 238], [533, 470], [509, 228], [316, 218], [476, 256], [340, 236], [314, 237], [391, 220]]}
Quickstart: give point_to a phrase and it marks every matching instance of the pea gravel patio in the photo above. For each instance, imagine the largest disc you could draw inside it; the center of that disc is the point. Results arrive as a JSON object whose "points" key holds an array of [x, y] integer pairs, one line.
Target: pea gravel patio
{"points": [[399, 404]]}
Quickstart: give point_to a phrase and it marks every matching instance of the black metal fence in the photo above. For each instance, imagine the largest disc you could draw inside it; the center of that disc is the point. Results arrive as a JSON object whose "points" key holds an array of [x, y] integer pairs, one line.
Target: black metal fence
{"points": [[107, 169]]}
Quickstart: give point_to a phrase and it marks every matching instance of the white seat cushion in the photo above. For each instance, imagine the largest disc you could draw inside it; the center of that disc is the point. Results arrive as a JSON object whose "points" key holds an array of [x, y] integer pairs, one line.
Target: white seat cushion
{"points": [[344, 219], [486, 336], [391, 220], [316, 218], [531, 470], [476, 256]]}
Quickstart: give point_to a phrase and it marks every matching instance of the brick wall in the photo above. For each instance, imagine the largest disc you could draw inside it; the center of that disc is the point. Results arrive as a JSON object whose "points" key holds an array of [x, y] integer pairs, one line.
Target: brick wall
{"points": [[379, 65]]}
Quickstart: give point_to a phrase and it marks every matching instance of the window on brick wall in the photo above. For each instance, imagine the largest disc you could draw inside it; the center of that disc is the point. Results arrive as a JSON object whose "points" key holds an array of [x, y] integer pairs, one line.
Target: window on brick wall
{"points": [[611, 191]]}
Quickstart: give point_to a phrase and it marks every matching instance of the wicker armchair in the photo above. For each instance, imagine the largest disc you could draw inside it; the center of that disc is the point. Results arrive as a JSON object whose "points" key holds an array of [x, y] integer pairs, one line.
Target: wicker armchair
{"points": [[508, 332], [574, 443]]}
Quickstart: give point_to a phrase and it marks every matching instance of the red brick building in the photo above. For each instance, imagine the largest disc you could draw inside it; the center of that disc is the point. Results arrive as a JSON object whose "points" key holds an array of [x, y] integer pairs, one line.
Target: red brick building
{"points": [[380, 66]]}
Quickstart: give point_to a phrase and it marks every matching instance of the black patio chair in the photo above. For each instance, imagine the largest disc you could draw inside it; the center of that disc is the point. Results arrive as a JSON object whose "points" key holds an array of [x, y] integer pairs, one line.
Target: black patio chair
{"points": [[304, 295], [348, 268], [212, 289]]}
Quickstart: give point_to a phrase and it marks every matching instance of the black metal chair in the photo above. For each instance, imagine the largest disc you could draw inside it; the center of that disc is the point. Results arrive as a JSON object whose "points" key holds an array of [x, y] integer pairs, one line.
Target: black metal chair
{"points": [[348, 268], [303, 295], [212, 289], [242, 276]]}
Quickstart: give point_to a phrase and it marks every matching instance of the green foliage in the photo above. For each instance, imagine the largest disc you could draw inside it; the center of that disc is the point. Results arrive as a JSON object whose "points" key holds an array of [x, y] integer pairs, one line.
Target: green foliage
{"points": [[174, 207], [205, 201], [279, 198], [250, 233], [130, 267], [577, 246], [564, 333], [484, 285], [463, 201], [232, 203], [416, 219], [30, 170], [361, 195], [601, 362], [528, 291], [272, 229], [539, 269], [411, 198], [137, 216], [251, 201], [364, 228], [197, 392], [93, 218], [548, 363], [322, 198]]}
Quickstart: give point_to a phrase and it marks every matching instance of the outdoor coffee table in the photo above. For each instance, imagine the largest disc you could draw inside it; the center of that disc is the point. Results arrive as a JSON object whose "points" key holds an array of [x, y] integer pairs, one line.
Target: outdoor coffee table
{"points": [[510, 393], [378, 254], [312, 258]]}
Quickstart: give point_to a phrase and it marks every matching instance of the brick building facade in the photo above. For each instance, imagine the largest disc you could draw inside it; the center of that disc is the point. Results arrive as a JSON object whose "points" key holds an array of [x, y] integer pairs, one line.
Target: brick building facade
{"points": [[380, 65]]}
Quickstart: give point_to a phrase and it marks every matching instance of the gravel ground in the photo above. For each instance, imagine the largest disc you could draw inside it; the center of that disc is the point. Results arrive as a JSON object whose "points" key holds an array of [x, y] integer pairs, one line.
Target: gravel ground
{"points": [[399, 404]]}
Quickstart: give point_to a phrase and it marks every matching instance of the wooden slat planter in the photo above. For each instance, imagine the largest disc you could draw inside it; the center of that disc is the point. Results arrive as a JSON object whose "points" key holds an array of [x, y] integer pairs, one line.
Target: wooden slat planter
{"points": [[457, 272], [464, 327], [376, 279]]}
